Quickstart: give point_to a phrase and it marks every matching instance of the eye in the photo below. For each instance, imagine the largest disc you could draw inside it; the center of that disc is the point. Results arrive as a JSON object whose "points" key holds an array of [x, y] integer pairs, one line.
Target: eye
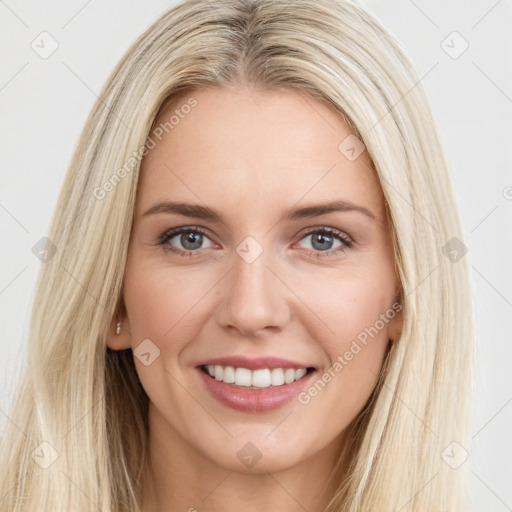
{"points": [[190, 238], [323, 239]]}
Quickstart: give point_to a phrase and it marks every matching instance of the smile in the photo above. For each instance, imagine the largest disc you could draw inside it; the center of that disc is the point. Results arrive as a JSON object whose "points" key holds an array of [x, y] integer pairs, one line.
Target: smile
{"points": [[253, 391]]}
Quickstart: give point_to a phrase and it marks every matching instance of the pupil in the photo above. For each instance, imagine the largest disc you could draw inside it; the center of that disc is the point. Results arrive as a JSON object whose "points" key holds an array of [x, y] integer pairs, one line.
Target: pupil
{"points": [[322, 238]]}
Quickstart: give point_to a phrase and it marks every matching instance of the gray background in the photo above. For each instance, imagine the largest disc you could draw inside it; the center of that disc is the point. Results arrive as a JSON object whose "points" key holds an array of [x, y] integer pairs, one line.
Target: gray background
{"points": [[44, 103]]}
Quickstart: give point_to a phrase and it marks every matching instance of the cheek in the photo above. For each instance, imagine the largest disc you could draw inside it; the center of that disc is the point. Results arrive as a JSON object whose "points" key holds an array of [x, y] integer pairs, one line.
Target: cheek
{"points": [[162, 304], [355, 310], [350, 301]]}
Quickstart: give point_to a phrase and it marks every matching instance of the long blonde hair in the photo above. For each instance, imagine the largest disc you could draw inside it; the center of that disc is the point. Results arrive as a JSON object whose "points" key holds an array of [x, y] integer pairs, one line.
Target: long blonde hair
{"points": [[85, 403]]}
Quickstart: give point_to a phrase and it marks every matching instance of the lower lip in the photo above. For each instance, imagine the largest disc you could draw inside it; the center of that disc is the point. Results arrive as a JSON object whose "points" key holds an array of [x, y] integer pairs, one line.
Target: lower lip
{"points": [[254, 400]]}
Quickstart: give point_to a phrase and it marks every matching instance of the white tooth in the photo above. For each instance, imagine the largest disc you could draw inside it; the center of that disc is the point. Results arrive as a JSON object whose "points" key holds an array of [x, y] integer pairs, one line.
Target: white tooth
{"points": [[243, 377], [289, 375], [277, 377], [261, 378], [229, 375], [300, 373]]}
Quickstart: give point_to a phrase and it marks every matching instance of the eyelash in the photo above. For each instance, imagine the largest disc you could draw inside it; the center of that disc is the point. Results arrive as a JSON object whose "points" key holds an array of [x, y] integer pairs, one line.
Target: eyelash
{"points": [[168, 235]]}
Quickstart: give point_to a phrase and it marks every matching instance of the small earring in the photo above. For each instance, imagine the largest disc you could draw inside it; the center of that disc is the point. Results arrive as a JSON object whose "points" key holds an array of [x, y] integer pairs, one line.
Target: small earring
{"points": [[118, 328]]}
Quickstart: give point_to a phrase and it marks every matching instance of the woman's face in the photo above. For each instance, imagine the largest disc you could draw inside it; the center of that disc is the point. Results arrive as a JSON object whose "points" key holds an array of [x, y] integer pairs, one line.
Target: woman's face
{"points": [[293, 261]]}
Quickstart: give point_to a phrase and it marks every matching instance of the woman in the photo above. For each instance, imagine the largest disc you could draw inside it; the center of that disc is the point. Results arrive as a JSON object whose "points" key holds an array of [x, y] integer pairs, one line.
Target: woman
{"points": [[254, 299]]}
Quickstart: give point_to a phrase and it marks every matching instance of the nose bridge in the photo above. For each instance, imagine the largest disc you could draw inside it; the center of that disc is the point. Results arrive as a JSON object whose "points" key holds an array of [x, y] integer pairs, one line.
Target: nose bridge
{"points": [[253, 298]]}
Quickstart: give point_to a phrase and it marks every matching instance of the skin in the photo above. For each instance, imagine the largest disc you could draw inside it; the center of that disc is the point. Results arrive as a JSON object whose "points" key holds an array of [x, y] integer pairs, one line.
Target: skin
{"points": [[252, 155]]}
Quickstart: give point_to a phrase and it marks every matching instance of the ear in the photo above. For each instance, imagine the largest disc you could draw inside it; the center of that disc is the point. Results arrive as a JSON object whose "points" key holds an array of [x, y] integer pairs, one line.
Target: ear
{"points": [[397, 322], [122, 340], [396, 326]]}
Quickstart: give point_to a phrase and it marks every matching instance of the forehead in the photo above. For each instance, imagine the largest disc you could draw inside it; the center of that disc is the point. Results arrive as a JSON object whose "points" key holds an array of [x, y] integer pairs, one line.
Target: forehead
{"points": [[237, 145]]}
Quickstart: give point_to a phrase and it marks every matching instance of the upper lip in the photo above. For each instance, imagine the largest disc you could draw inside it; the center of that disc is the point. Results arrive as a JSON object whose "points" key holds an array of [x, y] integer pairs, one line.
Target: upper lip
{"points": [[254, 363]]}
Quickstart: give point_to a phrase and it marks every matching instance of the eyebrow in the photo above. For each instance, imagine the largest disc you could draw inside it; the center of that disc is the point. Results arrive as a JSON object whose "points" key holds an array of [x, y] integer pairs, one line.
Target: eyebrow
{"points": [[206, 213]]}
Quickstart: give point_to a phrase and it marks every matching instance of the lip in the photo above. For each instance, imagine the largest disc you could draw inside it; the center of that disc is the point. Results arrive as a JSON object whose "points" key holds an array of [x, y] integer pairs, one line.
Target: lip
{"points": [[254, 363], [254, 400]]}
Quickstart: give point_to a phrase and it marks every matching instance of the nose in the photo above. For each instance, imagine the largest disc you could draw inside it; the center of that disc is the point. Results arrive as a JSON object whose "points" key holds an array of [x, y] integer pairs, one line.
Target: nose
{"points": [[253, 298]]}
